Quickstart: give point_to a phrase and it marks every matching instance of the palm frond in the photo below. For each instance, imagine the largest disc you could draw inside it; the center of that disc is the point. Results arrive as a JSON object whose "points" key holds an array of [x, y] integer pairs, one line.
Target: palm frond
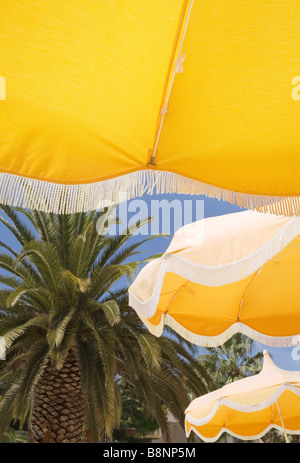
{"points": [[58, 322], [31, 373], [17, 331], [7, 406]]}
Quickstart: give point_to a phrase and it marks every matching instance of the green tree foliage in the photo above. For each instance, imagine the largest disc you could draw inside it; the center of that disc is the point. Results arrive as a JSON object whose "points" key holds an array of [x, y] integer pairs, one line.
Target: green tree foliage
{"points": [[134, 413], [232, 360]]}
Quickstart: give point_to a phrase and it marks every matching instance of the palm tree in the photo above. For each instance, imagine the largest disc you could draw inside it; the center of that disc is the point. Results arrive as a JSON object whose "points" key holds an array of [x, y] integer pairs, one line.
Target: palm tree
{"points": [[232, 360], [70, 334]]}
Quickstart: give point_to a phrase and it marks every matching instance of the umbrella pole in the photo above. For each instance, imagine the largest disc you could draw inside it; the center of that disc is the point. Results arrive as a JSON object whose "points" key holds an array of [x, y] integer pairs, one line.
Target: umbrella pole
{"points": [[282, 424]]}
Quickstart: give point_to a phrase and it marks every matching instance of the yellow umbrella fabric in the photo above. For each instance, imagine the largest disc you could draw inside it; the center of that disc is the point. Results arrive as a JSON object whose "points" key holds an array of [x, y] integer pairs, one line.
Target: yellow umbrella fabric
{"points": [[250, 407], [221, 275], [110, 96]]}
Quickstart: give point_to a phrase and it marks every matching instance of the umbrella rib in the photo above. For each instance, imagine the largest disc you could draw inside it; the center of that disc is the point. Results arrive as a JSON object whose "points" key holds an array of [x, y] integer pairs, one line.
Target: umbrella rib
{"points": [[282, 423], [168, 87], [175, 295], [245, 292]]}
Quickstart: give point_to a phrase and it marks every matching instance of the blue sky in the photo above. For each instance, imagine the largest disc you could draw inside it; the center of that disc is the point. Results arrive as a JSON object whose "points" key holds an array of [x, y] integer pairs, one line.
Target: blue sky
{"points": [[212, 207]]}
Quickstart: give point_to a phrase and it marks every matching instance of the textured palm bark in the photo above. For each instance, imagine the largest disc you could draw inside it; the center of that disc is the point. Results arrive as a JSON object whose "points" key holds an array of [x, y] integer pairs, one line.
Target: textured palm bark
{"points": [[58, 412]]}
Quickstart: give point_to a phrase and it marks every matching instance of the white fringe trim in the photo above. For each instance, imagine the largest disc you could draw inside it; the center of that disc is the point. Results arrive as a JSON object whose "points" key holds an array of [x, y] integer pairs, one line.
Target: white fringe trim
{"points": [[245, 409], [24, 192], [215, 275]]}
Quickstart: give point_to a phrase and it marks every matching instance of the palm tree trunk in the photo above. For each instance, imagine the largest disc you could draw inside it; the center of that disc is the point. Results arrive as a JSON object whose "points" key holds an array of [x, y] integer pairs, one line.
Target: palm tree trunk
{"points": [[58, 410]]}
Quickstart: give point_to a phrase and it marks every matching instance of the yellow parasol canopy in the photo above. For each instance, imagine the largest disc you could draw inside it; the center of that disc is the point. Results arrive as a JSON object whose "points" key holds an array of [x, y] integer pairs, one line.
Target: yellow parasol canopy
{"points": [[250, 407], [221, 275], [187, 96]]}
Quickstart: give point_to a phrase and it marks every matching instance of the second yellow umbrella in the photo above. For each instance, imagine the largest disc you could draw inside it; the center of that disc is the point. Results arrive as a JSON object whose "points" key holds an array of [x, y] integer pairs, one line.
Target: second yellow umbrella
{"points": [[234, 273]]}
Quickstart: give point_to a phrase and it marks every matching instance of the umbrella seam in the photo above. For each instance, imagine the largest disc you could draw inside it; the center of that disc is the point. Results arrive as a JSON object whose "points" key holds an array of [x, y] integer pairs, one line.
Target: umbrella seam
{"points": [[168, 85], [245, 292]]}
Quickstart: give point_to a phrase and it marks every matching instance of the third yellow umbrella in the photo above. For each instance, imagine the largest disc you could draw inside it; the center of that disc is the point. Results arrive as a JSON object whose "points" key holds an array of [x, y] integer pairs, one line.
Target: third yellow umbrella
{"points": [[250, 407]]}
